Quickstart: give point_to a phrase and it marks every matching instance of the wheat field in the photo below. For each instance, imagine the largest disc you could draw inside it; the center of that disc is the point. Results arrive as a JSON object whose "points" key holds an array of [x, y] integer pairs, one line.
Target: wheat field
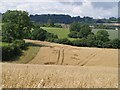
{"points": [[56, 76], [64, 66]]}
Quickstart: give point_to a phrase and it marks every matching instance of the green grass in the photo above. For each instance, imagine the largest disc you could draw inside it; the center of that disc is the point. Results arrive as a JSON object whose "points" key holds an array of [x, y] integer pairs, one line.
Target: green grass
{"points": [[28, 54], [63, 33]]}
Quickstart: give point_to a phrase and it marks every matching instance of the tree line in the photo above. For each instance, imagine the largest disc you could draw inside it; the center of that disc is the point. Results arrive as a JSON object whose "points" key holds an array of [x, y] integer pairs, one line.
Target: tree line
{"points": [[67, 19]]}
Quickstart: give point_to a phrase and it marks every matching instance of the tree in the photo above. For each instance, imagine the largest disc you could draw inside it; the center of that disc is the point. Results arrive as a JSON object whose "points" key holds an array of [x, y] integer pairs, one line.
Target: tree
{"points": [[78, 30], [64, 41], [102, 35], [115, 43], [91, 40], [75, 26], [85, 31], [38, 34], [73, 34], [50, 23], [9, 32], [17, 25]]}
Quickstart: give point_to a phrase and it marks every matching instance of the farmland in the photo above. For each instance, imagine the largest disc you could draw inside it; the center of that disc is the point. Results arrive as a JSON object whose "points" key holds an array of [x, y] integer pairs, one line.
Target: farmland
{"points": [[63, 33], [34, 58], [64, 66]]}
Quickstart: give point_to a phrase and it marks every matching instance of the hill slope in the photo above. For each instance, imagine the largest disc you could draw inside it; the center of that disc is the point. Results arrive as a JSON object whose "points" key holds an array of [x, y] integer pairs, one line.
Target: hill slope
{"points": [[63, 66], [59, 54]]}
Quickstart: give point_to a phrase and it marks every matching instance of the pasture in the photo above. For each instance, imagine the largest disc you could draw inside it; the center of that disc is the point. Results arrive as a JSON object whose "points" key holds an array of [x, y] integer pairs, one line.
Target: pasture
{"points": [[63, 32]]}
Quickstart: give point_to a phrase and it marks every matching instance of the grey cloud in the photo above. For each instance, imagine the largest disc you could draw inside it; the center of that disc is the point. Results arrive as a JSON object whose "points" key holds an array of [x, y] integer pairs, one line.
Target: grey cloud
{"points": [[71, 3], [104, 5]]}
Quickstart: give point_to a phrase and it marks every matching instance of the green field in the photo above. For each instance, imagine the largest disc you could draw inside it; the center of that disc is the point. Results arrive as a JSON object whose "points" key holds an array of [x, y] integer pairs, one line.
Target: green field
{"points": [[112, 33], [63, 33]]}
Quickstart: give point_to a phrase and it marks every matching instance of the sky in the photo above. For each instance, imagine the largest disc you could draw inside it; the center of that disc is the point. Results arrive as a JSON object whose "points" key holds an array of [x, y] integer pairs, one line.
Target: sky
{"points": [[91, 8]]}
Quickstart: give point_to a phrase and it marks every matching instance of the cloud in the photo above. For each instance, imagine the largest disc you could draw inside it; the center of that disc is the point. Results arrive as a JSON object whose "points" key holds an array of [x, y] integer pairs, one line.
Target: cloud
{"points": [[73, 7]]}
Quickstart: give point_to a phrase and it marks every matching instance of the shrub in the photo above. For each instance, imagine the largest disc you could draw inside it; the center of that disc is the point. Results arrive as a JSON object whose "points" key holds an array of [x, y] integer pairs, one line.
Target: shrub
{"points": [[63, 41], [76, 42], [73, 34], [19, 43], [38, 34], [115, 43], [9, 52]]}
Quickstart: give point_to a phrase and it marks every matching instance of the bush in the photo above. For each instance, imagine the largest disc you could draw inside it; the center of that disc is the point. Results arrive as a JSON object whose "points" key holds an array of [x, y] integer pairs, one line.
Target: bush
{"points": [[38, 34], [73, 34], [63, 41], [102, 35], [81, 42], [76, 42], [19, 43], [115, 43], [9, 52]]}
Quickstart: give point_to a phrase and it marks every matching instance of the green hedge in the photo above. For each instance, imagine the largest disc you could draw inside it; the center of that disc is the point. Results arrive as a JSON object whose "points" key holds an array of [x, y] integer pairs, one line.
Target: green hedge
{"points": [[12, 50]]}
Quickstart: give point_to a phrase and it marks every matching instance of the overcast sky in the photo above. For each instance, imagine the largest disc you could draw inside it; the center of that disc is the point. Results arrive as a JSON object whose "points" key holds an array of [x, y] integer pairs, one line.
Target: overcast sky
{"points": [[98, 9]]}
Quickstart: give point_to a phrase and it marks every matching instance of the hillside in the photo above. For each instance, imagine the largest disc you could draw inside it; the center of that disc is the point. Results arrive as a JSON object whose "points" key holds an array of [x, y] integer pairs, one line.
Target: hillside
{"points": [[64, 66], [69, 55]]}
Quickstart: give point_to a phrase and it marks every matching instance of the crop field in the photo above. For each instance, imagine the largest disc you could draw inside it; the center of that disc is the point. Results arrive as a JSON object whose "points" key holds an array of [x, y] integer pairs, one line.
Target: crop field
{"points": [[49, 76], [64, 66], [63, 33]]}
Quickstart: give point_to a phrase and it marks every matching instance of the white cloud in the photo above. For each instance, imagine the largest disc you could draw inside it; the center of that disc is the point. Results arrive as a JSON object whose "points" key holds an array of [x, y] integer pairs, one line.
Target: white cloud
{"points": [[55, 7]]}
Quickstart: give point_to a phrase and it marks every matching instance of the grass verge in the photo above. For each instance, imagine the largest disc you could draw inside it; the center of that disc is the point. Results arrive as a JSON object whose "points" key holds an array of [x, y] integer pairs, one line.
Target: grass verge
{"points": [[28, 54]]}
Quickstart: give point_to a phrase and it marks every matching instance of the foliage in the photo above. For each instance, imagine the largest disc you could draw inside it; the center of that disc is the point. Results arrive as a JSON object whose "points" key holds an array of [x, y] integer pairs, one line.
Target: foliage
{"points": [[85, 31], [38, 34], [67, 19], [9, 32], [16, 25], [19, 43], [78, 30], [73, 34], [9, 52], [102, 35], [75, 27], [63, 41], [115, 43], [100, 26], [50, 23]]}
